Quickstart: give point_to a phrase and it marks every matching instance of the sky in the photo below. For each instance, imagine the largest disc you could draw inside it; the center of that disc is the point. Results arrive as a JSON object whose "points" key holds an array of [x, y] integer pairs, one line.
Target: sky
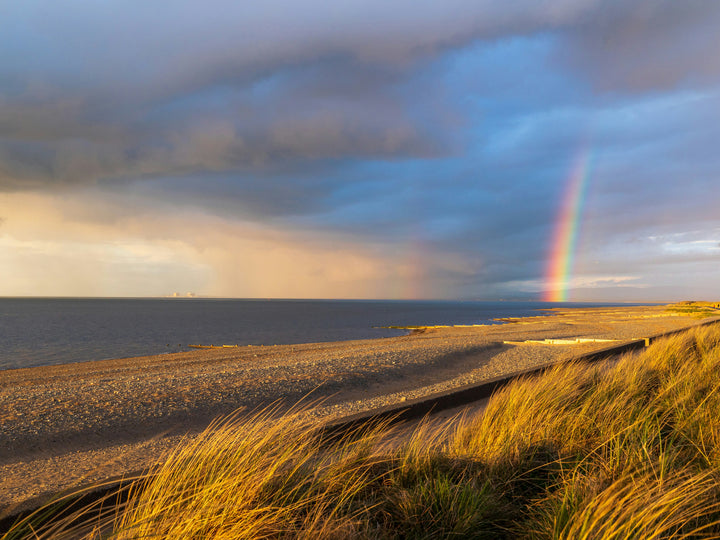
{"points": [[463, 149]]}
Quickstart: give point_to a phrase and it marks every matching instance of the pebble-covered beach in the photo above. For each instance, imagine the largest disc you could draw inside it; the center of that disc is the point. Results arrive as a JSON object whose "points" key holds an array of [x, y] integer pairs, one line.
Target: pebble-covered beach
{"points": [[62, 426]]}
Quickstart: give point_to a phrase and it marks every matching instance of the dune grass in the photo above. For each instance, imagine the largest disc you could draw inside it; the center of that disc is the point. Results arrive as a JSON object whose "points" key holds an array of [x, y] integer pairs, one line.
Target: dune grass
{"points": [[629, 449], [696, 310]]}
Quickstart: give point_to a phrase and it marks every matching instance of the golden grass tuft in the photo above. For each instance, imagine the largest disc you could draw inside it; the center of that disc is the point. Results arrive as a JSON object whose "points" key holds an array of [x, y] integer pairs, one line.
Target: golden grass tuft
{"points": [[262, 476]]}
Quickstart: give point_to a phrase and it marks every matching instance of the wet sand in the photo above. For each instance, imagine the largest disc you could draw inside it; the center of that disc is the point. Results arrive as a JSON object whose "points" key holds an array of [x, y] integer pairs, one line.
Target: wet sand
{"points": [[61, 426]]}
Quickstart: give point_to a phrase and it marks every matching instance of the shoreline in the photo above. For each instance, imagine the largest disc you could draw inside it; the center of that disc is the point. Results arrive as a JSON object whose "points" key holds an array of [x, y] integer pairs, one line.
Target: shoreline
{"points": [[274, 323], [83, 422]]}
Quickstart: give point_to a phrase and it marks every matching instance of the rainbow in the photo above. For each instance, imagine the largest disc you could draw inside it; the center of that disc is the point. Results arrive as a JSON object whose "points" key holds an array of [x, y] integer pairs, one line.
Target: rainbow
{"points": [[562, 252]]}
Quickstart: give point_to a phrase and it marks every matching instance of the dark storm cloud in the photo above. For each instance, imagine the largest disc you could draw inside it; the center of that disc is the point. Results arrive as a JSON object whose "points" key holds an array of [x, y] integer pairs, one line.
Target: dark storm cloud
{"points": [[646, 44], [135, 89], [238, 132]]}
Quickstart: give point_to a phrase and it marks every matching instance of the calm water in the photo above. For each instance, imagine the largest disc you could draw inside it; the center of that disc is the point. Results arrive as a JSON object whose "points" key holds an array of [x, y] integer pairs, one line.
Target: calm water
{"points": [[39, 331]]}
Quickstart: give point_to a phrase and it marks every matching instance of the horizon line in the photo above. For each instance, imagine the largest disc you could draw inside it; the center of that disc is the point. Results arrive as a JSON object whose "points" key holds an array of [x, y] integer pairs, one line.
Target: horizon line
{"points": [[538, 299]]}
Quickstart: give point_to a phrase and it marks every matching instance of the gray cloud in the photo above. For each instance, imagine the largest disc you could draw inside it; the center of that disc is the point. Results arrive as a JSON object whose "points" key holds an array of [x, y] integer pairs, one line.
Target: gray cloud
{"points": [[172, 88], [169, 42], [646, 45], [107, 91]]}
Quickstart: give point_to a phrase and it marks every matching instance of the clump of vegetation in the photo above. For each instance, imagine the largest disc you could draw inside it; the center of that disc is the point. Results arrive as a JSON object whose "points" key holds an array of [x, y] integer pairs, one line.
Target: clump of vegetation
{"points": [[697, 310], [629, 449]]}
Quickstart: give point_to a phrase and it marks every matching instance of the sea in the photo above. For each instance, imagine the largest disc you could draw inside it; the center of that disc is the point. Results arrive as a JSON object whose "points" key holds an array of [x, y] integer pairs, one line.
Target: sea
{"points": [[50, 331]]}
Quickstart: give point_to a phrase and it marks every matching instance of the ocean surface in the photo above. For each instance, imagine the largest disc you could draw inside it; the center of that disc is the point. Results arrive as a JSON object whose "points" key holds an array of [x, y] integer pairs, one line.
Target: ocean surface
{"points": [[47, 331]]}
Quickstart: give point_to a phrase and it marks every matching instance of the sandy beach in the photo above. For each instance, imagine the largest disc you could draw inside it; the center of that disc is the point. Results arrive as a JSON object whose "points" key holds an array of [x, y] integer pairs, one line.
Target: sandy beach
{"points": [[62, 426]]}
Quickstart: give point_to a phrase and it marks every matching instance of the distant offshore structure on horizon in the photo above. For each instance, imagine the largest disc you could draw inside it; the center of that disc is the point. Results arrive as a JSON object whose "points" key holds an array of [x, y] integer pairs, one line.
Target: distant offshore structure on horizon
{"points": [[177, 294]]}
